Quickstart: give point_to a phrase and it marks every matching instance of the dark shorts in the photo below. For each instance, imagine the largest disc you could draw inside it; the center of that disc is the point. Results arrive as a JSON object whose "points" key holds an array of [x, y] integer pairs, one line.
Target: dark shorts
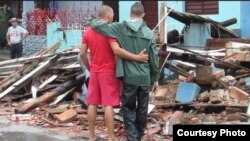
{"points": [[16, 51]]}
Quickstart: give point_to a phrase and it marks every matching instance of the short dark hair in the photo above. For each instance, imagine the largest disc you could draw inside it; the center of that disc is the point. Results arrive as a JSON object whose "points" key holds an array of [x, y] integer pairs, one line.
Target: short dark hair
{"points": [[103, 10], [137, 9]]}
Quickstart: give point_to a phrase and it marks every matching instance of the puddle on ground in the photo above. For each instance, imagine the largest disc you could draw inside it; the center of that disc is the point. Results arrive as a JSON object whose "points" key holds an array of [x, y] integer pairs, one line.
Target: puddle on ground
{"points": [[20, 136], [14, 132]]}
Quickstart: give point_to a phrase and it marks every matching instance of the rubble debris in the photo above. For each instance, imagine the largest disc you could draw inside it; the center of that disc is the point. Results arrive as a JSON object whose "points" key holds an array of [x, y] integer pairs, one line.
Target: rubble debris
{"points": [[204, 97], [57, 110], [232, 110], [215, 96], [218, 30], [240, 49], [208, 87], [175, 119], [21, 117], [66, 116], [238, 94], [52, 94], [24, 70]]}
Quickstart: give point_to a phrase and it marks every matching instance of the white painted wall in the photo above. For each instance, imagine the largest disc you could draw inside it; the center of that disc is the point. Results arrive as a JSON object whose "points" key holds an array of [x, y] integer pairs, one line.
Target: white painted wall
{"points": [[28, 6], [84, 5]]}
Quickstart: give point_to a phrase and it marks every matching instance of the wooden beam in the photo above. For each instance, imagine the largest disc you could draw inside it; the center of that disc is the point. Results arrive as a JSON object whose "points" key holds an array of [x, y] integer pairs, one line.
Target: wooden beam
{"points": [[27, 78], [48, 96], [163, 24]]}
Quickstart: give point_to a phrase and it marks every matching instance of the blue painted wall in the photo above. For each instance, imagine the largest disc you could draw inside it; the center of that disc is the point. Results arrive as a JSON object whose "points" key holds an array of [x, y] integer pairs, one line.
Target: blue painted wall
{"points": [[124, 10], [172, 23], [245, 20], [73, 37], [227, 10]]}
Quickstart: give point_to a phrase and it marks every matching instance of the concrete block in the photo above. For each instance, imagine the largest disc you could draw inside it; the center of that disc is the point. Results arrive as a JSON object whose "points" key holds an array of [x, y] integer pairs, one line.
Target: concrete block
{"points": [[215, 96], [66, 116], [187, 92], [235, 47], [238, 94], [163, 91], [219, 73], [204, 97], [204, 72]]}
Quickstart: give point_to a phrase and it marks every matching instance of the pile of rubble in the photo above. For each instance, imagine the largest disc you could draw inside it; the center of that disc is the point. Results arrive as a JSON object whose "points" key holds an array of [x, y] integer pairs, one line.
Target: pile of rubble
{"points": [[204, 90], [195, 87], [45, 90]]}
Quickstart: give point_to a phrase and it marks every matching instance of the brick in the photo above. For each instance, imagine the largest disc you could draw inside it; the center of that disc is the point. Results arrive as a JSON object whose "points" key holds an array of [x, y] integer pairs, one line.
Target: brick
{"points": [[57, 110], [166, 116], [187, 92], [177, 114], [237, 117], [175, 119], [66, 116], [204, 97], [219, 73], [232, 117], [241, 55], [166, 90], [215, 96], [238, 94]]}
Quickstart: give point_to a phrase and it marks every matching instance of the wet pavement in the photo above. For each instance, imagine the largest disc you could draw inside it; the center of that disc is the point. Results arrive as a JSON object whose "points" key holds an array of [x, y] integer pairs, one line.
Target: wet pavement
{"points": [[16, 132]]}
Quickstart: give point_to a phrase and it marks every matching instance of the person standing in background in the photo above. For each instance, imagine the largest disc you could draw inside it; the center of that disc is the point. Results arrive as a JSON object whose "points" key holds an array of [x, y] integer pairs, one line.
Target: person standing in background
{"points": [[15, 35]]}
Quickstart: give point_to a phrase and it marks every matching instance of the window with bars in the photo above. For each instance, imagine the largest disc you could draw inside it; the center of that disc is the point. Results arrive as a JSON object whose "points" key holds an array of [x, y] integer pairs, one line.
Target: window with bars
{"points": [[202, 7]]}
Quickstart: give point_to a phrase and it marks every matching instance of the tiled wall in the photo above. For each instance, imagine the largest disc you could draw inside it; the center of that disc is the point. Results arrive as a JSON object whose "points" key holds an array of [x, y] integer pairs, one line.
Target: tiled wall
{"points": [[33, 44]]}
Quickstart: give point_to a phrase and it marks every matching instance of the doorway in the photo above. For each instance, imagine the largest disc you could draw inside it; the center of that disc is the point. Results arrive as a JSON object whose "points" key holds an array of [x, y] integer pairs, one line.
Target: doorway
{"points": [[151, 12], [115, 6]]}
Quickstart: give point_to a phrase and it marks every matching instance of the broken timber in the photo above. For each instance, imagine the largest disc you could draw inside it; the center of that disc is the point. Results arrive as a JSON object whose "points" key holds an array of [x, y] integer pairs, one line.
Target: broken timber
{"points": [[23, 70], [27, 78], [52, 94], [200, 59]]}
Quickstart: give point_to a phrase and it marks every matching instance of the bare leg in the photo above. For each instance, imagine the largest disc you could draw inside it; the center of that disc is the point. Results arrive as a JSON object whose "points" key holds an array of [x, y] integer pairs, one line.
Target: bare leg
{"points": [[92, 110], [109, 121]]}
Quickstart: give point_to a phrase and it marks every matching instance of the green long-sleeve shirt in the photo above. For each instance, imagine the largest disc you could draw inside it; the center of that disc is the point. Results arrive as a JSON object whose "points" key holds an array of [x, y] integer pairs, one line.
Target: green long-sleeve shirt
{"points": [[133, 36]]}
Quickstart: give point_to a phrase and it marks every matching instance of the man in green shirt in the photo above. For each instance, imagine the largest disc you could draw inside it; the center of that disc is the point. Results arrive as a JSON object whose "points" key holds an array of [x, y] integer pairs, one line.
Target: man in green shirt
{"points": [[134, 36]]}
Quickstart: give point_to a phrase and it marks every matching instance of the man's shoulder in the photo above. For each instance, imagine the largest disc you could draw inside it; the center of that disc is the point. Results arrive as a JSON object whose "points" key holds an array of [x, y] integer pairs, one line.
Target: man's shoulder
{"points": [[88, 30], [147, 31], [145, 28], [91, 32], [10, 28]]}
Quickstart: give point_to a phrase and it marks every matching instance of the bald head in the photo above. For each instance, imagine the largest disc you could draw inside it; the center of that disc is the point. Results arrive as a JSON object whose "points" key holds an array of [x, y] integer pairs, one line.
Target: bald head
{"points": [[105, 13]]}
